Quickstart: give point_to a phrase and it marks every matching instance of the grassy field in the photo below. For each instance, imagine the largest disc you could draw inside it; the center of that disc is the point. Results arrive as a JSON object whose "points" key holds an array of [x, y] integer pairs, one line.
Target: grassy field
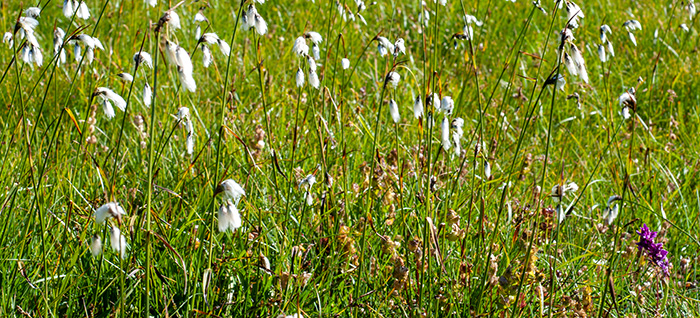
{"points": [[340, 158]]}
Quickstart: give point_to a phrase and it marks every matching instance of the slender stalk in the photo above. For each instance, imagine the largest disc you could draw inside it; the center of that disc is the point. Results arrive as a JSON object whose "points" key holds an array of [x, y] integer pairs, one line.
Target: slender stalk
{"points": [[259, 63], [222, 123], [434, 88], [516, 155], [544, 171], [123, 124], [291, 163], [35, 184], [149, 200], [370, 192], [626, 184]]}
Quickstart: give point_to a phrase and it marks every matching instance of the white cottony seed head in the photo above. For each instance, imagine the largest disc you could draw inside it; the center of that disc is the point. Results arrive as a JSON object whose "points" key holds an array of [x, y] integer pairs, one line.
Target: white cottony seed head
{"points": [[300, 47], [313, 79], [95, 245], [436, 101], [691, 9], [229, 218], [601, 53], [560, 82], [574, 12], [312, 63], [307, 182], [209, 38], [260, 25], [457, 133], [632, 25], [147, 95], [109, 210], [384, 46], [207, 57], [300, 78], [117, 241], [199, 17], [394, 111], [68, 8], [316, 51], [445, 134], [183, 113], [457, 127], [418, 108], [399, 47], [108, 109], [143, 58], [107, 94], [577, 58], [315, 37], [628, 101], [447, 105], [611, 50], [470, 19], [231, 190], [611, 213], [570, 65], [224, 48], [189, 142], [7, 38], [82, 11], [126, 77], [174, 19], [309, 199], [183, 60], [33, 12], [393, 78]]}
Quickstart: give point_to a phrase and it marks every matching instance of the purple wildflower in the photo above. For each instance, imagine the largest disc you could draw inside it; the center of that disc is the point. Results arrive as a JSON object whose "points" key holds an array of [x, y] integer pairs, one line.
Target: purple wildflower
{"points": [[646, 239], [655, 251]]}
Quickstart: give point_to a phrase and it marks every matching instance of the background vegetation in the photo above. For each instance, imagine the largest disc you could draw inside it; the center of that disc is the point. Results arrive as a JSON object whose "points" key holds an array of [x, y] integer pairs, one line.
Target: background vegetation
{"points": [[397, 225]]}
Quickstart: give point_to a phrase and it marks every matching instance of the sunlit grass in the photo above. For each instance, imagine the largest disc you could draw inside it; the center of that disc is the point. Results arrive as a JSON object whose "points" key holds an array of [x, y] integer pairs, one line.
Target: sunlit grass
{"points": [[509, 194]]}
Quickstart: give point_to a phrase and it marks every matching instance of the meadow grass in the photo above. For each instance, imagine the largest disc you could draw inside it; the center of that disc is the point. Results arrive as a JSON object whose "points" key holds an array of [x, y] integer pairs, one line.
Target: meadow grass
{"points": [[496, 192]]}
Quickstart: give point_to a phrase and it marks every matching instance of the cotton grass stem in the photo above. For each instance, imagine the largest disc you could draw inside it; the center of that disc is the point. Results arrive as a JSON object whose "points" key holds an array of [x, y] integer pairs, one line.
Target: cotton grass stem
{"points": [[222, 124]]}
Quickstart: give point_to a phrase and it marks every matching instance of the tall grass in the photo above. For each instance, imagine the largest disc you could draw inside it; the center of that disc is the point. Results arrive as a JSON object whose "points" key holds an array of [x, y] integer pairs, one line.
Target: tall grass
{"points": [[398, 223]]}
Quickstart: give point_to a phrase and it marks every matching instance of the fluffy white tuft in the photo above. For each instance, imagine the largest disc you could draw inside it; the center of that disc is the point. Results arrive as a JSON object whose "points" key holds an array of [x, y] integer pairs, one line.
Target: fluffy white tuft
{"points": [[117, 241], [231, 190], [394, 111]]}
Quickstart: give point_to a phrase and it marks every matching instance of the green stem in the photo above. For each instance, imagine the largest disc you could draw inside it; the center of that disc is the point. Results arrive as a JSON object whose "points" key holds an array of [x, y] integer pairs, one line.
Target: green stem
{"points": [[222, 123], [149, 200]]}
